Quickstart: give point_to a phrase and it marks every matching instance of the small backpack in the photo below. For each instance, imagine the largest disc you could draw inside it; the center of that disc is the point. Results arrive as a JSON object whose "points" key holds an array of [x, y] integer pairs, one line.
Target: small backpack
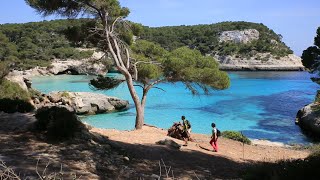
{"points": [[187, 124], [218, 133]]}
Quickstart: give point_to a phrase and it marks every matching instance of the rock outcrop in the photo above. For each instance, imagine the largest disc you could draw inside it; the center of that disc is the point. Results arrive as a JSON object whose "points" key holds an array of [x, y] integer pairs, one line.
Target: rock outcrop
{"points": [[237, 36], [170, 143], [176, 131], [83, 102], [77, 67], [90, 66], [308, 118], [261, 61]]}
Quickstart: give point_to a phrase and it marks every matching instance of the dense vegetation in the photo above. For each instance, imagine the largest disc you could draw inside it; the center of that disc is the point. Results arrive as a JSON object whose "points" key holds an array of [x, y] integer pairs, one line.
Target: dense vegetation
{"points": [[35, 44], [205, 39]]}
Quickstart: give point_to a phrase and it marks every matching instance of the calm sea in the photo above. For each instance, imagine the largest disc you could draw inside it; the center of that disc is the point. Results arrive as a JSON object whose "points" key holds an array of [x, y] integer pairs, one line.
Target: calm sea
{"points": [[262, 105]]}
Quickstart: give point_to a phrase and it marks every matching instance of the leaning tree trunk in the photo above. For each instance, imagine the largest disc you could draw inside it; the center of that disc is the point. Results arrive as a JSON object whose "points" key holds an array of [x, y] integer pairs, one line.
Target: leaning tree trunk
{"points": [[123, 65], [139, 106]]}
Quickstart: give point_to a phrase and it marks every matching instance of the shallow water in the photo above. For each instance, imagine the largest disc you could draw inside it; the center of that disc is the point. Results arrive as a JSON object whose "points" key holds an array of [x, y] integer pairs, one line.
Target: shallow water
{"points": [[262, 105]]}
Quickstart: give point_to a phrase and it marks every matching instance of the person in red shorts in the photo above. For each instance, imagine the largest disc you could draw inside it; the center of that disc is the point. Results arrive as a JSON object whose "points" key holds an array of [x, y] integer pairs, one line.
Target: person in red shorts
{"points": [[214, 138]]}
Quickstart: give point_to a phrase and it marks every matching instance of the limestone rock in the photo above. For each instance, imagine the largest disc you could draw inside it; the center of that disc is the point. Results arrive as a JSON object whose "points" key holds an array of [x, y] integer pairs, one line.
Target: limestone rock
{"points": [[308, 118], [77, 67], [237, 36], [88, 103], [261, 61]]}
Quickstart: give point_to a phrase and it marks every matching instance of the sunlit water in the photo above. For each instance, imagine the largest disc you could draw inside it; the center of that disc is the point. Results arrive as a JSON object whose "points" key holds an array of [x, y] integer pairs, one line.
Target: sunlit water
{"points": [[262, 105]]}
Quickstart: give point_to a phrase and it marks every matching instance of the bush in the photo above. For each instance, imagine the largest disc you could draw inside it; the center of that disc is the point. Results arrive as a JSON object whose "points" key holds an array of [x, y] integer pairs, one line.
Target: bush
{"points": [[13, 98], [58, 123], [13, 91], [237, 136]]}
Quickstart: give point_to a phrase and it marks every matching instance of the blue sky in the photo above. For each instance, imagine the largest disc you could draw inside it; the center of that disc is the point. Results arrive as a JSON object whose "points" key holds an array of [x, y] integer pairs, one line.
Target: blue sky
{"points": [[296, 20]]}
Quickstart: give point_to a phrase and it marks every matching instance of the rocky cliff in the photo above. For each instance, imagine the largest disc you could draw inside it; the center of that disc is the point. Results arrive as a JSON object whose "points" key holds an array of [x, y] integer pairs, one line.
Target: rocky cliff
{"points": [[244, 36], [261, 61], [253, 60], [308, 118], [91, 66]]}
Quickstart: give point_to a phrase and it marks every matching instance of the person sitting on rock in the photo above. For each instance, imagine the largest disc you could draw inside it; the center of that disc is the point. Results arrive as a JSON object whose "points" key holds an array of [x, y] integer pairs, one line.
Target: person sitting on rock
{"points": [[186, 130]]}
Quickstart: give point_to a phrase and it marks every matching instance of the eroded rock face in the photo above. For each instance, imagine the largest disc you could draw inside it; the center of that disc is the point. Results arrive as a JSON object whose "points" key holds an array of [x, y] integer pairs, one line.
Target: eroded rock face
{"points": [[308, 118], [261, 61], [237, 36], [77, 67], [85, 102]]}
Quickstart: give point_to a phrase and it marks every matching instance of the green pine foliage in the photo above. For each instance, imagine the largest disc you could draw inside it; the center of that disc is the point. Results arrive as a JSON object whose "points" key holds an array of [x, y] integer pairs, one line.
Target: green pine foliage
{"points": [[183, 64], [205, 39]]}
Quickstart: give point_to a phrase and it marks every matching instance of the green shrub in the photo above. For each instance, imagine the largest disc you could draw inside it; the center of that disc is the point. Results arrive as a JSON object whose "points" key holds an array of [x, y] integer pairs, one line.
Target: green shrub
{"points": [[82, 54], [237, 136], [29, 64], [58, 123], [13, 98], [65, 94], [11, 90]]}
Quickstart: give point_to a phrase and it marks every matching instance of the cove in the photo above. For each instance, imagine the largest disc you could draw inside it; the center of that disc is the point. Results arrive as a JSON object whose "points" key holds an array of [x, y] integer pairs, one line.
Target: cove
{"points": [[262, 105]]}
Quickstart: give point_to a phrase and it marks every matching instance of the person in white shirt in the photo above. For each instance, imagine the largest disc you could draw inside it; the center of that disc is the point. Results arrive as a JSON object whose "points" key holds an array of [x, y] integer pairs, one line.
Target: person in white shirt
{"points": [[214, 138]]}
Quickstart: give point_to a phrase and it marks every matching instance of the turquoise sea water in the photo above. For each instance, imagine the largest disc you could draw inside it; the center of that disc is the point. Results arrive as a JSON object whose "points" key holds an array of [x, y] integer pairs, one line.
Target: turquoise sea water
{"points": [[262, 105]]}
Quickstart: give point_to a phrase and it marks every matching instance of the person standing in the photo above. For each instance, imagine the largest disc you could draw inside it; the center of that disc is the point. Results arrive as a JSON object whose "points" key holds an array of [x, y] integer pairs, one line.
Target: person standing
{"points": [[214, 137], [186, 130]]}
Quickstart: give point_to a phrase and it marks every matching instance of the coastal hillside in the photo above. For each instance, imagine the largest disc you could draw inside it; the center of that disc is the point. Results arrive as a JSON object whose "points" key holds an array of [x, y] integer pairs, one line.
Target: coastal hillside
{"points": [[236, 45], [225, 38], [37, 43]]}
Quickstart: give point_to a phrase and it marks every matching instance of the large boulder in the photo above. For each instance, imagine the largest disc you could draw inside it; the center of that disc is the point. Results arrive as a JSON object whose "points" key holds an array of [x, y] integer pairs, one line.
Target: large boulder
{"points": [[176, 131], [308, 118], [88, 103]]}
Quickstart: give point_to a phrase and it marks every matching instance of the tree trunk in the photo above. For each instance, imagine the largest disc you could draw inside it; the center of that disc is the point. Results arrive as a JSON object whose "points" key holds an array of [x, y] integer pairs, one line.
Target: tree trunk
{"points": [[136, 100], [139, 117]]}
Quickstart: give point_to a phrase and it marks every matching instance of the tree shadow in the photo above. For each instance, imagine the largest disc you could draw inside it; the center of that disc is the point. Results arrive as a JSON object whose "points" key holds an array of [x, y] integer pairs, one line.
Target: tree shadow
{"points": [[94, 156]]}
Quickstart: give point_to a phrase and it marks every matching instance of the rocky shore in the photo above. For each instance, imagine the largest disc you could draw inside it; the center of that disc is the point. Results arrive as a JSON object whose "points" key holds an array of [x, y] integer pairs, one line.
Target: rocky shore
{"points": [[82, 102], [79, 102], [260, 62], [309, 120]]}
